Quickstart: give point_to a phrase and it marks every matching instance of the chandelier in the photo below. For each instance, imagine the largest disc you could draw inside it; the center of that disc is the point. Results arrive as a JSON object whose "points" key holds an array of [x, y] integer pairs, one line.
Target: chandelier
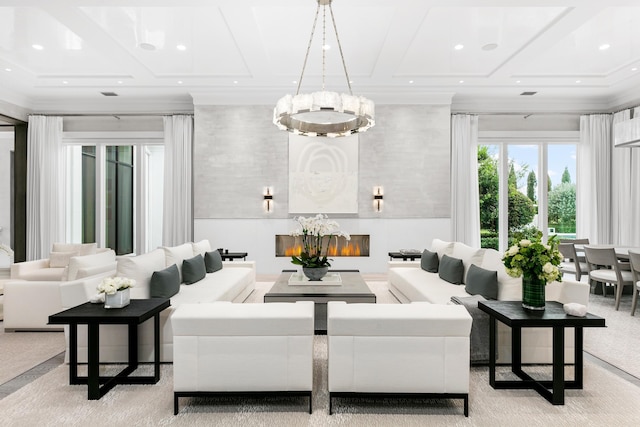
{"points": [[324, 113]]}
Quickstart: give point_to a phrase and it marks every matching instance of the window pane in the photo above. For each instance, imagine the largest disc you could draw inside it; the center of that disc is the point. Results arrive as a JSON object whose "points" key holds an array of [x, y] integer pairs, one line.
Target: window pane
{"points": [[119, 199], [522, 189], [88, 194], [562, 191], [488, 183]]}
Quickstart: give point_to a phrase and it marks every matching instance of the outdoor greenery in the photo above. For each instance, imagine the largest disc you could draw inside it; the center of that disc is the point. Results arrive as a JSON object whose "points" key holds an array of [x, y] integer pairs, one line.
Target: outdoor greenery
{"points": [[522, 207]]}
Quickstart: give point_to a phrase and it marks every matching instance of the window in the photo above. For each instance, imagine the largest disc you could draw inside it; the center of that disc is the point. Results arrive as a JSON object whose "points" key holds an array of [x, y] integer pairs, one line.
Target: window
{"points": [[115, 192], [526, 184]]}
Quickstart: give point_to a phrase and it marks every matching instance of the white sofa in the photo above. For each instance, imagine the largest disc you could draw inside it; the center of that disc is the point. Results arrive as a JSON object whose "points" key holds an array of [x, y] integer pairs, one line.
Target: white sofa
{"points": [[243, 348], [29, 303], [234, 282], [409, 282], [416, 348]]}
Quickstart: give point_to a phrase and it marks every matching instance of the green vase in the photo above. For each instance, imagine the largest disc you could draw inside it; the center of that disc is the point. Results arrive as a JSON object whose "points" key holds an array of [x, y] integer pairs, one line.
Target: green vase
{"points": [[533, 292]]}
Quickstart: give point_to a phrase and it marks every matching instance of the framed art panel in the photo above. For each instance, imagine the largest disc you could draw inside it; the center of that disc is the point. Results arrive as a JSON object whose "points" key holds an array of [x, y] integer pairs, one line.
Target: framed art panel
{"points": [[323, 175]]}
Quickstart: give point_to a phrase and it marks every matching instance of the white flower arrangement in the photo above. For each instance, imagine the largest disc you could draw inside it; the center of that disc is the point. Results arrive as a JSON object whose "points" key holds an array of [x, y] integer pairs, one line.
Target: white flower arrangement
{"points": [[111, 285], [313, 230], [534, 259]]}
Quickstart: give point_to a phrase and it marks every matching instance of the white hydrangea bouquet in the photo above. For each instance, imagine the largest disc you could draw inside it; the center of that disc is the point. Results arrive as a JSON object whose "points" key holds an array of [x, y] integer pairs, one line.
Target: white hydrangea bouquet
{"points": [[111, 285], [316, 232], [534, 258]]}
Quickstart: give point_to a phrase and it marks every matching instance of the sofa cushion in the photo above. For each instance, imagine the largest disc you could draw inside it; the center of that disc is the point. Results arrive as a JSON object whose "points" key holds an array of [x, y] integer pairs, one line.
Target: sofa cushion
{"points": [[213, 261], [86, 261], [78, 248], [482, 282], [193, 269], [509, 288], [55, 274], [468, 255], [451, 269], [201, 247], [177, 254], [429, 261], [60, 259], [442, 247], [165, 283], [140, 268]]}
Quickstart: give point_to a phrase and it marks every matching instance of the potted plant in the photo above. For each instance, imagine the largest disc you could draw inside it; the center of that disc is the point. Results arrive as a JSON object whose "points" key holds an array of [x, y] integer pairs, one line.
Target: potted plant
{"points": [[316, 233], [537, 263]]}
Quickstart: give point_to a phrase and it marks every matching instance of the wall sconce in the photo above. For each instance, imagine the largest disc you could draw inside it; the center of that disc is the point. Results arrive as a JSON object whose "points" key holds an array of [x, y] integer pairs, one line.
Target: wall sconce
{"points": [[268, 199], [378, 198]]}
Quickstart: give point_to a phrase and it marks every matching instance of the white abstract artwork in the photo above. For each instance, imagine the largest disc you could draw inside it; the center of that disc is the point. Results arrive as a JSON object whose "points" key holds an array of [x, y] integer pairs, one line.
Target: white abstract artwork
{"points": [[323, 174]]}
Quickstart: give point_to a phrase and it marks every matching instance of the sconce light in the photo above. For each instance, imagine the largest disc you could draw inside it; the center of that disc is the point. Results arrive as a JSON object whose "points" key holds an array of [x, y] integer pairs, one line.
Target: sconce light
{"points": [[268, 199], [377, 198]]}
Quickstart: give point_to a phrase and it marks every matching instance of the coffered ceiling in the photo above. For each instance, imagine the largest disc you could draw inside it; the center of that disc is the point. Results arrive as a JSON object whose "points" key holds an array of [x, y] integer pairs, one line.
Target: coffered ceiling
{"points": [[575, 55]]}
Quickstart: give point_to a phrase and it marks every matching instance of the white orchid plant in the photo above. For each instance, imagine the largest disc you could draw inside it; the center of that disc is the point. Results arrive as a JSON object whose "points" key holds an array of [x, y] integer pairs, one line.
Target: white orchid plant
{"points": [[534, 258], [111, 285], [316, 233]]}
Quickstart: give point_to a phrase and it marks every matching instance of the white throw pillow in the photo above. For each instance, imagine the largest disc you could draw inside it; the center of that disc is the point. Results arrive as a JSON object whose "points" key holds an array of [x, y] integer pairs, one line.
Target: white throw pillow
{"points": [[60, 259], [79, 248], [201, 247], [468, 255], [177, 254], [82, 262], [441, 247], [140, 268]]}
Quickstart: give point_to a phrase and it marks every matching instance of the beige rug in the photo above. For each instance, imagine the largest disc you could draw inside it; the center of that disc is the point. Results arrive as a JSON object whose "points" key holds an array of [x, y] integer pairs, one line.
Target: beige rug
{"points": [[21, 351]]}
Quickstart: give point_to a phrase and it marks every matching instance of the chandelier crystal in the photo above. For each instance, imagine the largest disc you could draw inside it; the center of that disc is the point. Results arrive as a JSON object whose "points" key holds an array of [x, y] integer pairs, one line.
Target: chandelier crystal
{"points": [[324, 113]]}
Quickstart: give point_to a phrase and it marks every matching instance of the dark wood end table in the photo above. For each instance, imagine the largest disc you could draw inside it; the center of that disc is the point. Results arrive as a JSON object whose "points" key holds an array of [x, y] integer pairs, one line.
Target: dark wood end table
{"points": [[94, 315], [230, 256], [512, 314], [405, 256]]}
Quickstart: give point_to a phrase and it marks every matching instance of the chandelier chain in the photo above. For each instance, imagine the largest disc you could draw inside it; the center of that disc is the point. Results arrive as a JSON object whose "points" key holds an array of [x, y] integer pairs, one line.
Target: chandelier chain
{"points": [[306, 57], [324, 43], [344, 64]]}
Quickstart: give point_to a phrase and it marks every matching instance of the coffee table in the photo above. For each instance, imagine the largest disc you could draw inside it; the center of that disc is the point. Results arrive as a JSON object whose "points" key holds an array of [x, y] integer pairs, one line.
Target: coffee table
{"points": [[352, 289]]}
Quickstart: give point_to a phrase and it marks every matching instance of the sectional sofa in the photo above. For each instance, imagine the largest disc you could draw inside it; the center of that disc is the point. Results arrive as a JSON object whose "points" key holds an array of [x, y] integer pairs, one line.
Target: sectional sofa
{"points": [[233, 282], [409, 282]]}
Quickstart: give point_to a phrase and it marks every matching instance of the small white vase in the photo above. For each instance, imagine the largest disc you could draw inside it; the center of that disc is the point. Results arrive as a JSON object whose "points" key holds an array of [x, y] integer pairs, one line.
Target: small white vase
{"points": [[118, 300]]}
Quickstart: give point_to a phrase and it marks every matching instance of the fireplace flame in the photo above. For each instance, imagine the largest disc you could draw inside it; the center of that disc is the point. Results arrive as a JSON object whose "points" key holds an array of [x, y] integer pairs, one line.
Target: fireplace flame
{"points": [[346, 250]]}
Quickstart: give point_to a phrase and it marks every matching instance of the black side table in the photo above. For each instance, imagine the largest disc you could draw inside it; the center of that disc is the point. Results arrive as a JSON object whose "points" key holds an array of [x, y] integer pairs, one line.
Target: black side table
{"points": [[512, 314], [405, 256], [230, 256], [94, 315]]}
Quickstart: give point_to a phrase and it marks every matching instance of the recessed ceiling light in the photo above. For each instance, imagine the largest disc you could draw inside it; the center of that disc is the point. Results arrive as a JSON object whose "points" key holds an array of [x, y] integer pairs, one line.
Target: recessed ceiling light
{"points": [[410, 81], [604, 46], [64, 82], [490, 46], [461, 81], [119, 82], [235, 82], [37, 46], [578, 81], [518, 81], [634, 69], [326, 47], [7, 69], [179, 82], [459, 47], [146, 46], [294, 82], [181, 47]]}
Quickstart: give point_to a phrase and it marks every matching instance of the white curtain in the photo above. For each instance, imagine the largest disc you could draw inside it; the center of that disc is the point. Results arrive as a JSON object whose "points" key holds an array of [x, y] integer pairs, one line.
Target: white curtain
{"points": [[621, 219], [634, 200], [465, 204], [45, 186], [593, 195], [177, 218]]}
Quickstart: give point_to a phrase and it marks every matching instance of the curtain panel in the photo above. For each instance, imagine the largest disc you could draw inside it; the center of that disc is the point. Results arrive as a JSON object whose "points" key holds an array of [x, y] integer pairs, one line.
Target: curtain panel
{"points": [[634, 200], [621, 220], [593, 195], [177, 221], [45, 186], [465, 200]]}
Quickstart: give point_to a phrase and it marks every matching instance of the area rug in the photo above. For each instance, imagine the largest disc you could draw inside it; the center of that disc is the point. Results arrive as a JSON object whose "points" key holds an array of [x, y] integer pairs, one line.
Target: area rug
{"points": [[21, 351]]}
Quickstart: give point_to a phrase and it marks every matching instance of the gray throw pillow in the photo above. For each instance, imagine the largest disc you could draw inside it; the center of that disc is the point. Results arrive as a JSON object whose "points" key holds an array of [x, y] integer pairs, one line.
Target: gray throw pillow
{"points": [[213, 261], [451, 269], [165, 283], [429, 261], [482, 282], [193, 269]]}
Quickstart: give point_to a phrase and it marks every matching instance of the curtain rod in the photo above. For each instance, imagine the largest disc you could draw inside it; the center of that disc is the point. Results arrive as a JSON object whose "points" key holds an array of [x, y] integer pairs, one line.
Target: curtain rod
{"points": [[116, 115]]}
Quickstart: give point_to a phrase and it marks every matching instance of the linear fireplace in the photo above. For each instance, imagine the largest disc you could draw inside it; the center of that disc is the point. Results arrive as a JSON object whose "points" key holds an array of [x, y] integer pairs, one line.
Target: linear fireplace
{"points": [[358, 246]]}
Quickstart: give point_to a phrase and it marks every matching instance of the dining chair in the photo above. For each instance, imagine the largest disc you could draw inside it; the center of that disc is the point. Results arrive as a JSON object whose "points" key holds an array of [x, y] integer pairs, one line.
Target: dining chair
{"points": [[604, 267], [579, 250], [571, 263], [634, 258]]}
